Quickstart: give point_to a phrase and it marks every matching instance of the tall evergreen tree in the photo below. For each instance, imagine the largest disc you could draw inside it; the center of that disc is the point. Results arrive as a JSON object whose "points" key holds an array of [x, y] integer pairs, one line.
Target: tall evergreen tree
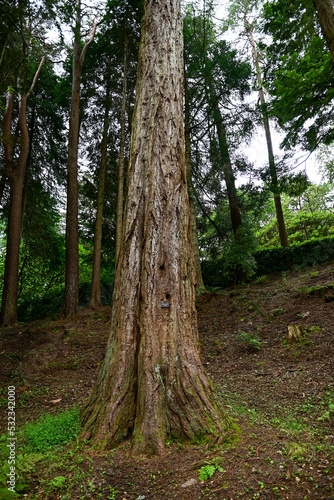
{"points": [[23, 74], [152, 383], [299, 76], [216, 79], [72, 233], [244, 10]]}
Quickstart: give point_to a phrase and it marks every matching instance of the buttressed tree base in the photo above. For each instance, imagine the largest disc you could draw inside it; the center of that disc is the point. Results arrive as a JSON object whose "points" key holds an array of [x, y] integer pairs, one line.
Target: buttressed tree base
{"points": [[152, 385]]}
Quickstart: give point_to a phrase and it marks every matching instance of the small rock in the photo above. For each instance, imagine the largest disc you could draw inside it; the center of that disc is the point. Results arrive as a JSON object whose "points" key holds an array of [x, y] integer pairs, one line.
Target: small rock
{"points": [[189, 483], [297, 479]]}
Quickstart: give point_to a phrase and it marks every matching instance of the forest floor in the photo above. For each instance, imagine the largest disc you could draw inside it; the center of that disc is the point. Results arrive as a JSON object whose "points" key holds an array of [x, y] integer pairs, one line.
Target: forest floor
{"points": [[281, 395]]}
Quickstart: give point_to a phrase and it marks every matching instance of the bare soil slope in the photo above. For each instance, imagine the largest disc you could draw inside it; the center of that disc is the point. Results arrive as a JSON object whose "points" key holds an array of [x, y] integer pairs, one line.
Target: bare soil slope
{"points": [[281, 395]]}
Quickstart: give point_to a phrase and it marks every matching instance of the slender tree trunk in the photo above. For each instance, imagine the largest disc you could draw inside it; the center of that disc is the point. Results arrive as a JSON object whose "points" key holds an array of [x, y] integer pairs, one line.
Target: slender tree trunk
{"points": [[194, 233], [71, 303], [26, 176], [16, 177], [205, 213], [120, 193], [325, 9], [232, 194], [3, 182], [15, 174], [72, 235], [95, 292], [152, 383], [272, 167]]}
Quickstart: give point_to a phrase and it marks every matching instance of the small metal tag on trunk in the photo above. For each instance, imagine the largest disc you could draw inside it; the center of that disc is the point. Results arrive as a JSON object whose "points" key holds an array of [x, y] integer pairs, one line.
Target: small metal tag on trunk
{"points": [[164, 304]]}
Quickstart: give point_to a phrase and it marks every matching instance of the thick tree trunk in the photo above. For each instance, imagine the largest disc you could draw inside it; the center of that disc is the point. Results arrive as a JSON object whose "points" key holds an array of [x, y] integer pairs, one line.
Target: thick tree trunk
{"points": [[200, 289], [272, 167], [325, 9], [71, 302], [152, 383], [95, 292], [120, 193], [228, 171]]}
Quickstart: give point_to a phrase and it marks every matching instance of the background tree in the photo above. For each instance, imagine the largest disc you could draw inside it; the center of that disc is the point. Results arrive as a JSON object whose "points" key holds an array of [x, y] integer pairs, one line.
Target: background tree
{"points": [[72, 232], [24, 76], [200, 288], [218, 82], [108, 96], [299, 76], [246, 11]]}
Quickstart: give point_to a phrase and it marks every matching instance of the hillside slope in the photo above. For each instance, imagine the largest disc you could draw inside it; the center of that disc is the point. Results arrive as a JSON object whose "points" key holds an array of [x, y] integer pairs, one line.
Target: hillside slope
{"points": [[281, 394]]}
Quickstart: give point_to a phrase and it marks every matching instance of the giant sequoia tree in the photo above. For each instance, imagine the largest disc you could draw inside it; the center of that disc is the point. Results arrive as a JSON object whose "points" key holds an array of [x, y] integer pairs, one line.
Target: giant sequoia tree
{"points": [[325, 9], [152, 383]]}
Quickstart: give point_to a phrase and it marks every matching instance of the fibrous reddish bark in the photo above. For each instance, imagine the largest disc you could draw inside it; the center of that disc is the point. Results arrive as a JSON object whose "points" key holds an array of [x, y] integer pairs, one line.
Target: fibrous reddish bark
{"points": [[152, 383], [325, 9]]}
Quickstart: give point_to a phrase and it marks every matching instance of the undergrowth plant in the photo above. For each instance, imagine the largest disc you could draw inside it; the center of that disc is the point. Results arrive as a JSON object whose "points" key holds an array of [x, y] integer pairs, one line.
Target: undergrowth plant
{"points": [[50, 431], [39, 441], [207, 471], [250, 340]]}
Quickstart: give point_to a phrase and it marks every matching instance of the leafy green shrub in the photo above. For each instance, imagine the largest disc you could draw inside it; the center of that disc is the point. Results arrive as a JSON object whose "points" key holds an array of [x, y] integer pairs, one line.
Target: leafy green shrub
{"points": [[38, 306], [206, 472], [308, 253], [271, 260], [50, 431], [215, 273], [220, 272], [249, 340]]}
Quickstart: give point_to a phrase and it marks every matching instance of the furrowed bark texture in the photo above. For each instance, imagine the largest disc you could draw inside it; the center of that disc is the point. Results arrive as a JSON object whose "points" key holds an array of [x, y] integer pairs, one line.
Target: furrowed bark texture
{"points": [[152, 383], [325, 9]]}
